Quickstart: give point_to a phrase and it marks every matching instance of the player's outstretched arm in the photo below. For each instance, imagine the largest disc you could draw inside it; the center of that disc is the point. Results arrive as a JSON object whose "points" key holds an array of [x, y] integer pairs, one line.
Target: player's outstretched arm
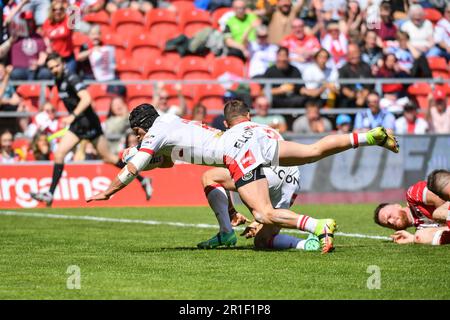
{"points": [[433, 236], [140, 161]]}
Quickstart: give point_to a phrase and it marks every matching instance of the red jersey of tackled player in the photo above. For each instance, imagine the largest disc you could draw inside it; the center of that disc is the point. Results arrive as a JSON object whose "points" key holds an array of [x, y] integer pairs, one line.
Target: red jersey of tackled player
{"points": [[421, 212]]}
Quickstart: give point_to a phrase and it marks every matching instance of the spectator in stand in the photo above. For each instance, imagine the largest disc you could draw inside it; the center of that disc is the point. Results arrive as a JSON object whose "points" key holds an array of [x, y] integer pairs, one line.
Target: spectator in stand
{"points": [[354, 95], [412, 62], [199, 113], [281, 19], [117, 123], [44, 121], [410, 123], [38, 8], [58, 35], [239, 29], [336, 43], [28, 54], [374, 116], [161, 98], [262, 53], [320, 80], [7, 154], [372, 54], [302, 47], [388, 29], [343, 123], [312, 121], [354, 18], [334, 10], [262, 116], [40, 148], [442, 35], [420, 31], [438, 115], [96, 61], [9, 100], [286, 95], [143, 6]]}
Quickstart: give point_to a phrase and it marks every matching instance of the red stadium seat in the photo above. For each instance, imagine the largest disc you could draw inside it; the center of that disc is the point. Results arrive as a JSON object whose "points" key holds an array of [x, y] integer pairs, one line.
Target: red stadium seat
{"points": [[113, 39], [127, 22], [192, 21], [440, 74], [193, 67], [129, 69], [101, 99], [160, 69], [231, 65], [101, 18], [30, 94], [173, 98], [210, 95], [437, 63], [183, 5], [217, 14], [432, 14], [139, 93], [420, 91], [143, 46], [79, 38], [162, 24]]}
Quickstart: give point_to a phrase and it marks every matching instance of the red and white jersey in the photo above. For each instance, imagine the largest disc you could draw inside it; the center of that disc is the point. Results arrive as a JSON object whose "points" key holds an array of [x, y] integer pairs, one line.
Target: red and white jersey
{"points": [[249, 145], [184, 140], [422, 213]]}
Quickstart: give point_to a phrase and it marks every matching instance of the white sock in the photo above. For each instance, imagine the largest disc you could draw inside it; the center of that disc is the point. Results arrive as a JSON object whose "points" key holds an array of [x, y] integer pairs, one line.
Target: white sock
{"points": [[358, 139], [306, 223], [283, 241], [218, 201]]}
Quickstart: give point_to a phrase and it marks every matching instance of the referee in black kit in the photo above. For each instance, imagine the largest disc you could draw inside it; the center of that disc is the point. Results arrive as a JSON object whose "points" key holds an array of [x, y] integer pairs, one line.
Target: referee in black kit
{"points": [[82, 123]]}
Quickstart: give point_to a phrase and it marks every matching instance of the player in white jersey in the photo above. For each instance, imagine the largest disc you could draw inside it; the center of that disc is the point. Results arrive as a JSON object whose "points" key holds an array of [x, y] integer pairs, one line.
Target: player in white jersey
{"points": [[248, 176]]}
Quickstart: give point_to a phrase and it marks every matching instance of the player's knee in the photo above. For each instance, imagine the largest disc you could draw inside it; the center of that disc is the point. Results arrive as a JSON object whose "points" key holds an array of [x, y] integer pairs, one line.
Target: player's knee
{"points": [[264, 216], [206, 179], [59, 156], [260, 242]]}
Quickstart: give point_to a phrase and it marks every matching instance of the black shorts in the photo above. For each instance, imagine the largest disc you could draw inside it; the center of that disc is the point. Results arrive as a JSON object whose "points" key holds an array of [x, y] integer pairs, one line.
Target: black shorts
{"points": [[253, 175], [87, 129]]}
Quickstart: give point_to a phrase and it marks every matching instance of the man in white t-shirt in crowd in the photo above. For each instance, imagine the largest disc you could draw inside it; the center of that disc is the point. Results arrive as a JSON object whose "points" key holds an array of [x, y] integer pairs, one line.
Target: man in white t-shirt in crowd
{"points": [[161, 100], [262, 53], [410, 123], [262, 116], [420, 31], [320, 80], [442, 36]]}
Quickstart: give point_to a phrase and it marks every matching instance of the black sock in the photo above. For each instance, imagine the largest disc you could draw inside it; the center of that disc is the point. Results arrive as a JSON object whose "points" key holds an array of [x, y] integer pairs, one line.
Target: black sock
{"points": [[120, 164], [57, 173]]}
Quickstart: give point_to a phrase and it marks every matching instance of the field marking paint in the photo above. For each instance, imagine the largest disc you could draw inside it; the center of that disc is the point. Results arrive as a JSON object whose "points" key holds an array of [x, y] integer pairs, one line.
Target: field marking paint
{"points": [[154, 222]]}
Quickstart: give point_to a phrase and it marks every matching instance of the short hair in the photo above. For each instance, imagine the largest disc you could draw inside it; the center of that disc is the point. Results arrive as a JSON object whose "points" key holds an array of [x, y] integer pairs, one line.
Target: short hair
{"points": [[402, 33], [313, 103], [281, 49], [234, 109], [437, 181], [53, 56], [320, 51], [376, 216]]}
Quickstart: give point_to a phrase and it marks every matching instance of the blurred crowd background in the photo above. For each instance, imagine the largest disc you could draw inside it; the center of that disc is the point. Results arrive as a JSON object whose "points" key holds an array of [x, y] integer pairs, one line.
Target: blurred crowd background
{"points": [[314, 46]]}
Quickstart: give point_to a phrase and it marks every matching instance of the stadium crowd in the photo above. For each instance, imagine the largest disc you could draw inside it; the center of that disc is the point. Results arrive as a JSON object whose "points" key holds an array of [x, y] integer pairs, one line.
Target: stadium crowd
{"points": [[317, 41]]}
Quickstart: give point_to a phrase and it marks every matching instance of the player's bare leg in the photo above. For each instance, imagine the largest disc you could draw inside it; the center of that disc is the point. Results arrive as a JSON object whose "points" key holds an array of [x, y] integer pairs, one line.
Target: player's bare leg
{"points": [[269, 237], [68, 141], [292, 153], [101, 144], [255, 195]]}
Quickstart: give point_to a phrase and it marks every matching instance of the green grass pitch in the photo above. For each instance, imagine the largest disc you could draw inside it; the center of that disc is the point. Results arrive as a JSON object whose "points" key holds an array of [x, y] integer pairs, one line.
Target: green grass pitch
{"points": [[141, 261]]}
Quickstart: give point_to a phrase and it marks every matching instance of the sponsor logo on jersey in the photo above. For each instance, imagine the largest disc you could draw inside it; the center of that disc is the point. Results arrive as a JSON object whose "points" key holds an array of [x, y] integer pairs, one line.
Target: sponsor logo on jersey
{"points": [[247, 176]]}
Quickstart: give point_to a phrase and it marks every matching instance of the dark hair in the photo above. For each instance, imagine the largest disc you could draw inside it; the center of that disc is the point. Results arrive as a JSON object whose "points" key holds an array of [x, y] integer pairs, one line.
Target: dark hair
{"points": [[143, 116], [234, 109], [436, 182], [320, 51], [281, 49], [376, 216], [37, 153], [373, 92], [53, 56], [313, 103]]}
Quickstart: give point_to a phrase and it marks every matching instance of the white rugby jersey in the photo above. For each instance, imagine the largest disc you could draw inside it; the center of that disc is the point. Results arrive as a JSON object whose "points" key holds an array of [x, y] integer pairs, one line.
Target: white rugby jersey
{"points": [[185, 140]]}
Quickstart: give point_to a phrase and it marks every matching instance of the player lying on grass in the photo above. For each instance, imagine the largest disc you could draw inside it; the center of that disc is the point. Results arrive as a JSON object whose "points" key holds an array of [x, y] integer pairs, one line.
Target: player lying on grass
{"points": [[439, 182], [425, 211], [243, 149], [284, 185]]}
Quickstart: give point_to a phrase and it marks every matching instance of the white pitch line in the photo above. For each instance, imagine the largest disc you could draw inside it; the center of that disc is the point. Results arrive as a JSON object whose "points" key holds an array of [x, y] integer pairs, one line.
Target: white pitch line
{"points": [[154, 222]]}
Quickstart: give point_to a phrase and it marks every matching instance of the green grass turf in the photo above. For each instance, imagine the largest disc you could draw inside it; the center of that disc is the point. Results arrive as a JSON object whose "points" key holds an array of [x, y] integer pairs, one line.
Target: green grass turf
{"points": [[137, 261]]}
